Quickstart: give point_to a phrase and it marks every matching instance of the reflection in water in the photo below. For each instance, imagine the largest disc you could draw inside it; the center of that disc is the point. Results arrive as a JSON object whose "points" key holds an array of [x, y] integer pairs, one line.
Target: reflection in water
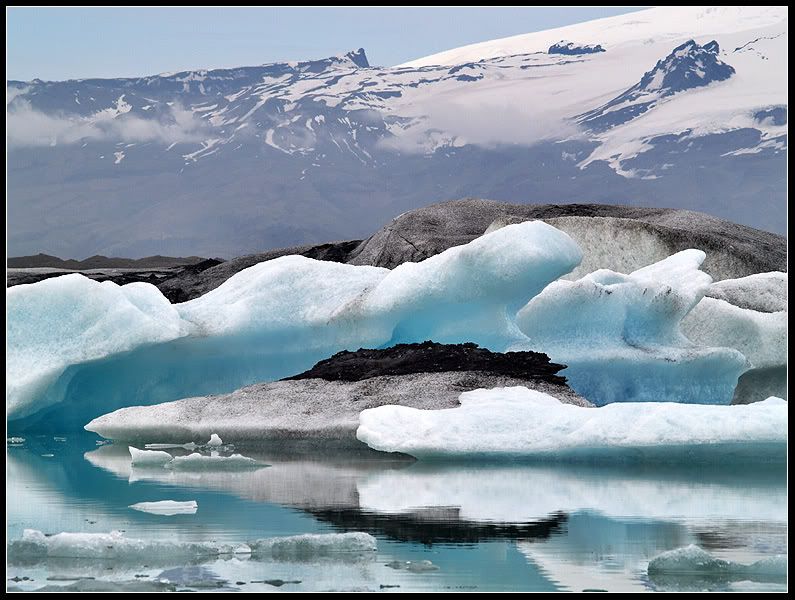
{"points": [[515, 527]]}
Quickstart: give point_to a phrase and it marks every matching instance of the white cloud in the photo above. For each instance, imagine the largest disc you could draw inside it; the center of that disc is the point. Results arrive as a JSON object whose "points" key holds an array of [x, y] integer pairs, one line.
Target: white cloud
{"points": [[26, 126]]}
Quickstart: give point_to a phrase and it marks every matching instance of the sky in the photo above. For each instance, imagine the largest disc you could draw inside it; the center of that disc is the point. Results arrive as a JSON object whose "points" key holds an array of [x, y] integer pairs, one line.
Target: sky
{"points": [[73, 43]]}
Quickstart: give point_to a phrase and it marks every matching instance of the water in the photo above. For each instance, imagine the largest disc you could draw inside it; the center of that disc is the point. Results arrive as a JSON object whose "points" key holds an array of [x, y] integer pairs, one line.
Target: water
{"points": [[485, 527]]}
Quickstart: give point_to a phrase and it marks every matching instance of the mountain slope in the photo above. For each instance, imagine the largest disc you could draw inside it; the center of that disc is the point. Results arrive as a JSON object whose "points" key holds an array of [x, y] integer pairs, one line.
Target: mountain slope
{"points": [[234, 161]]}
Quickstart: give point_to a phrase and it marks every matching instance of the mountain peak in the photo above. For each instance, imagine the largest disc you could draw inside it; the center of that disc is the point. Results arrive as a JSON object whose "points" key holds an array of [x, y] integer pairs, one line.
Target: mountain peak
{"points": [[358, 57]]}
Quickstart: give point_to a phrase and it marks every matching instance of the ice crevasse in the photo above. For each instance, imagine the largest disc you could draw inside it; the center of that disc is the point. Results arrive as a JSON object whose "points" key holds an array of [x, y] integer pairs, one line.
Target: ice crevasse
{"points": [[94, 347]]}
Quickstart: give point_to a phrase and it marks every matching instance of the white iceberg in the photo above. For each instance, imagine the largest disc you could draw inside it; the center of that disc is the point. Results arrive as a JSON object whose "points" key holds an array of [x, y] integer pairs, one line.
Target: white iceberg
{"points": [[167, 507], [36, 546], [291, 304], [740, 315], [620, 335], [152, 458], [310, 546], [676, 566], [71, 319], [521, 423], [215, 440]]}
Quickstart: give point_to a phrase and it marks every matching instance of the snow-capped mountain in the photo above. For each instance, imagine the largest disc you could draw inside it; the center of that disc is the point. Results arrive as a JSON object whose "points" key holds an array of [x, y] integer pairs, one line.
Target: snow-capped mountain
{"points": [[683, 107]]}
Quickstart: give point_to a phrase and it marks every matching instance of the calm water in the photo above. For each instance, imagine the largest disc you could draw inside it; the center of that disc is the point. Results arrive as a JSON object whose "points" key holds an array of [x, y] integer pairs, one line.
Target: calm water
{"points": [[523, 528]]}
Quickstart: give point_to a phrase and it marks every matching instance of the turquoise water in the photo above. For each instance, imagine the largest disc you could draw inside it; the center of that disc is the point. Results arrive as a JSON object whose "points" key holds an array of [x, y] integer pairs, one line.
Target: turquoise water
{"points": [[485, 527]]}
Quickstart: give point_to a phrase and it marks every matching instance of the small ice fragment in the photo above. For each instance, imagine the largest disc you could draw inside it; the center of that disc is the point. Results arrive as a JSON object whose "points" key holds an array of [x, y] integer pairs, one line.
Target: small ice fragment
{"points": [[167, 507], [149, 457], [59, 439], [48, 455], [215, 440], [414, 566], [15, 440]]}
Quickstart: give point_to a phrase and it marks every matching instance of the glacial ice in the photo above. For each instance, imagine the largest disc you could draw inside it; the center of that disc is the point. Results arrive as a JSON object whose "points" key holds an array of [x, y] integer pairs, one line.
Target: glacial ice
{"points": [[525, 424], [215, 440], [760, 336], [692, 562], [310, 546], [74, 340], [72, 319], [167, 507], [36, 546], [620, 335], [151, 458]]}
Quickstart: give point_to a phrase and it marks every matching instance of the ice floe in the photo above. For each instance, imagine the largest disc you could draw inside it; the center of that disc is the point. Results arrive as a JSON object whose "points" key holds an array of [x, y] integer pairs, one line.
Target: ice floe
{"points": [[522, 423], [167, 507], [37, 546], [310, 546], [693, 566]]}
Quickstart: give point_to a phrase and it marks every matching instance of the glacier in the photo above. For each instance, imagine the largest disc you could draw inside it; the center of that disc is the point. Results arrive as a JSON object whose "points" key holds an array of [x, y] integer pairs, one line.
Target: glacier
{"points": [[620, 335], [75, 341], [518, 423]]}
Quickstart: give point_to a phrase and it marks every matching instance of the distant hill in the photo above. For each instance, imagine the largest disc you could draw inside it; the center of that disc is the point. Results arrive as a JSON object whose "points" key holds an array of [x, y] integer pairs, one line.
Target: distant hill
{"points": [[99, 262]]}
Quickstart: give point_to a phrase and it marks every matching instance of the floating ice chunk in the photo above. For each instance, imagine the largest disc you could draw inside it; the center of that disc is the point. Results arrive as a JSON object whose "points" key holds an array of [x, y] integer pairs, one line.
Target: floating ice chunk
{"points": [[71, 319], [309, 546], [291, 304], [167, 507], [36, 545], [677, 566], [215, 440], [620, 335], [413, 566], [188, 446], [521, 423], [153, 458], [199, 462], [15, 440]]}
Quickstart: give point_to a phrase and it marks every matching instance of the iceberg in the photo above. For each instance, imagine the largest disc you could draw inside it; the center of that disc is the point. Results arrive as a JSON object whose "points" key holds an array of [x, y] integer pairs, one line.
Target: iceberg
{"points": [[750, 315], [311, 546], [215, 440], [72, 319], [36, 546], [620, 335], [520, 423], [151, 458], [167, 507], [95, 347], [693, 567]]}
